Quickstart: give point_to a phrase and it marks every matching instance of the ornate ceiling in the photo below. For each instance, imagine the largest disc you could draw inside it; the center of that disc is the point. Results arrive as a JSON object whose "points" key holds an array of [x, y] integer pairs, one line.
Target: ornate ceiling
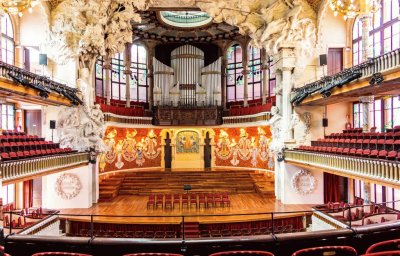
{"points": [[152, 27]]}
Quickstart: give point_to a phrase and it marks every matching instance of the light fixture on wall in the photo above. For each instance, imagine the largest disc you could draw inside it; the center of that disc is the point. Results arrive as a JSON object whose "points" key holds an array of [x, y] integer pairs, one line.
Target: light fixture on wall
{"points": [[17, 6], [351, 8]]}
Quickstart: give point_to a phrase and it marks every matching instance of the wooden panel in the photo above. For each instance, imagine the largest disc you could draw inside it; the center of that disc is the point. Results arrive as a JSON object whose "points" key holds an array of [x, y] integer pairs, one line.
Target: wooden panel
{"points": [[335, 60], [33, 122]]}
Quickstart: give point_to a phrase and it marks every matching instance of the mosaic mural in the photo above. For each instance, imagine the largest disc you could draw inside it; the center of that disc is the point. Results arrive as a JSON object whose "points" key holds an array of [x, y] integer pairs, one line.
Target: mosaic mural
{"points": [[187, 142], [130, 148], [243, 147]]}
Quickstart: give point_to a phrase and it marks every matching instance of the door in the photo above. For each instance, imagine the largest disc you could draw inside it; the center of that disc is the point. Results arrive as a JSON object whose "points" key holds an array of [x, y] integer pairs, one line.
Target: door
{"points": [[207, 151], [335, 60], [33, 122], [167, 152]]}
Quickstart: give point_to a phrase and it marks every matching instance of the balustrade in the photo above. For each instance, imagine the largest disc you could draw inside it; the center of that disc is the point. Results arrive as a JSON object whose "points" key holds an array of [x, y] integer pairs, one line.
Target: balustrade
{"points": [[373, 169]]}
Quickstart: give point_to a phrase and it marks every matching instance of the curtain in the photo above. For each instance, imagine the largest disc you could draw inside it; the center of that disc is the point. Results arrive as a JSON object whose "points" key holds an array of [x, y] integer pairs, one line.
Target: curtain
{"points": [[331, 188], [27, 193]]}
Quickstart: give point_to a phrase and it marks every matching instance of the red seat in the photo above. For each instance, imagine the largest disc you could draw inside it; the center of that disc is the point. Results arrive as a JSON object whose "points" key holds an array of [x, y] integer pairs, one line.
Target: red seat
{"points": [[255, 253], [387, 253], [153, 254], [60, 253], [327, 250], [389, 245], [382, 154]]}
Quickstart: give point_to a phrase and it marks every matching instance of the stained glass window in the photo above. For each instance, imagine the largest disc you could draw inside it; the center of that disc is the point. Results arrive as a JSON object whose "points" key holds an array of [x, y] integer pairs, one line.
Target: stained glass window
{"points": [[234, 69], [255, 73], [7, 40]]}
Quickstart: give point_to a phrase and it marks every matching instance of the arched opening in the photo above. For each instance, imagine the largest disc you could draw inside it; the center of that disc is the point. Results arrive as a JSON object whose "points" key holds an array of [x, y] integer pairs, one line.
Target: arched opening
{"points": [[7, 40], [207, 151]]}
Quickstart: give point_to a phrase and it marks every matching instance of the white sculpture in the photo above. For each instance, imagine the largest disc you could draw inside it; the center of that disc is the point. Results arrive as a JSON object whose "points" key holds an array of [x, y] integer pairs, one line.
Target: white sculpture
{"points": [[275, 123], [269, 23], [301, 126]]}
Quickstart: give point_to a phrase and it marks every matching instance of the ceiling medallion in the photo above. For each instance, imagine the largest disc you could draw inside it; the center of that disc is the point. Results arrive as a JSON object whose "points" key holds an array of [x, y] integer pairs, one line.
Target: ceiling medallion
{"points": [[185, 19]]}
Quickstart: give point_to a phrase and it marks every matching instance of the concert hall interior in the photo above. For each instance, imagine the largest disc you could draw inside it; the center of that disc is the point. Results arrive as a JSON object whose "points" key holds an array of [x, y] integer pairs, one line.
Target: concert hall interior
{"points": [[199, 127]]}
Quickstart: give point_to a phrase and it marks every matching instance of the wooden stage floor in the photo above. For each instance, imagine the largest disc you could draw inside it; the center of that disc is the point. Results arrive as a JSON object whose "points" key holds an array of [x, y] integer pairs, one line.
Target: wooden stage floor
{"points": [[244, 207]]}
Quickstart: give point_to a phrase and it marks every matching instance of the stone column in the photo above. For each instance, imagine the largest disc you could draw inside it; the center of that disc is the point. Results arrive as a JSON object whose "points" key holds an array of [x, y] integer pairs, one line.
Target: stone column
{"points": [[265, 76], [278, 90], [287, 110], [245, 72], [277, 171], [366, 102], [107, 81], [128, 74], [366, 24], [150, 54], [367, 192], [223, 82]]}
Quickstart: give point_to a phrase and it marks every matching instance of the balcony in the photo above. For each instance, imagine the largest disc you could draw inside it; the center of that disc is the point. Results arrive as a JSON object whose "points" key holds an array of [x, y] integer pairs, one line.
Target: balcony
{"points": [[26, 168], [378, 171], [378, 75]]}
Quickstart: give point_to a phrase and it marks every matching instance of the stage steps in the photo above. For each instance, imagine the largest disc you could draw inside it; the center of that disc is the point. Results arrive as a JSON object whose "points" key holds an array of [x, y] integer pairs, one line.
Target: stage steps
{"points": [[264, 183], [109, 186], [235, 181]]}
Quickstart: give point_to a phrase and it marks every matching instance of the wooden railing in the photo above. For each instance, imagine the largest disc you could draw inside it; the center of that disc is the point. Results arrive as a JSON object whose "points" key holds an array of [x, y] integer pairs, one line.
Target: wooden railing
{"points": [[110, 117], [18, 169], [263, 116], [387, 172]]}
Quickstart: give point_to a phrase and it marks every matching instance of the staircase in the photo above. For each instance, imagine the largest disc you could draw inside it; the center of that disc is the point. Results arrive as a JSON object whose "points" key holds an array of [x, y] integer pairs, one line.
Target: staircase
{"points": [[150, 182], [191, 230], [264, 183], [109, 186]]}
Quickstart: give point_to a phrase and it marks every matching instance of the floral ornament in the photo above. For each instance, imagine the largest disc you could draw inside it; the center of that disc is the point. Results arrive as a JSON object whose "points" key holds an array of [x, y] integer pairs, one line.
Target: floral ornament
{"points": [[303, 182], [68, 186]]}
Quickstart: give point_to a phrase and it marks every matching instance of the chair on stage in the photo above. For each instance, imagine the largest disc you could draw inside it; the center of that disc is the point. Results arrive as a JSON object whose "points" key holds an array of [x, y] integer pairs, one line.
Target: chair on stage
{"points": [[185, 200], [217, 199], [202, 200], [210, 200], [177, 200], [151, 201], [193, 200], [225, 200], [168, 201], [159, 200]]}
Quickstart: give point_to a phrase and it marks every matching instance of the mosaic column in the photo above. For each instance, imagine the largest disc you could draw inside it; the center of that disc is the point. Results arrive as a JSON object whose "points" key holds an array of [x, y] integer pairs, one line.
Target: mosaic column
{"points": [[366, 104], [223, 82], [366, 24], [107, 68], [367, 192], [128, 74], [265, 76], [245, 73]]}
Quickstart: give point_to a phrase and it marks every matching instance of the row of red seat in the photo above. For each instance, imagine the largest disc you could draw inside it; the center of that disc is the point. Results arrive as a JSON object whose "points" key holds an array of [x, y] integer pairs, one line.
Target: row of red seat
{"points": [[250, 110], [123, 111], [19, 138], [209, 199], [385, 248], [7, 156], [380, 144], [129, 234], [12, 132], [395, 134], [381, 154], [26, 146]]}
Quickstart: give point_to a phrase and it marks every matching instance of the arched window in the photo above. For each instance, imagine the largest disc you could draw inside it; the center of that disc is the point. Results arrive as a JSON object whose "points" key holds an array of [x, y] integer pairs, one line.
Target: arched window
{"points": [[234, 69], [7, 40], [138, 82], [255, 74], [118, 82], [384, 32]]}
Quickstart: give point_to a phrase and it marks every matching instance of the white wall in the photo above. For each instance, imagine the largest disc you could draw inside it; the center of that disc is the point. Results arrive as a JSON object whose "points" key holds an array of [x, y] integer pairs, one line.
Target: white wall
{"points": [[333, 32], [336, 114], [50, 113], [51, 200], [289, 195]]}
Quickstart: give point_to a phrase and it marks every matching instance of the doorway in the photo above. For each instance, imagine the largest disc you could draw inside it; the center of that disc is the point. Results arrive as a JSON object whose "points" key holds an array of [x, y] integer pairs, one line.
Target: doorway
{"points": [[207, 151], [167, 152]]}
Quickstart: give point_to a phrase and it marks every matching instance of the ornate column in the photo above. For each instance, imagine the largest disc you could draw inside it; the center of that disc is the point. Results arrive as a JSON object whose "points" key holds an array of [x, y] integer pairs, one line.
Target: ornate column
{"points": [[107, 82], [223, 82], [366, 102], [245, 72], [150, 54], [265, 76], [365, 19], [367, 192], [286, 63], [128, 74]]}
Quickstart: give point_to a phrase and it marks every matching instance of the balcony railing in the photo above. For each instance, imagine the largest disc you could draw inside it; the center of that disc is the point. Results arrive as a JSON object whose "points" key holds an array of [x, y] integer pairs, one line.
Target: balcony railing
{"points": [[371, 67], [264, 116], [378, 170], [18, 169], [110, 117]]}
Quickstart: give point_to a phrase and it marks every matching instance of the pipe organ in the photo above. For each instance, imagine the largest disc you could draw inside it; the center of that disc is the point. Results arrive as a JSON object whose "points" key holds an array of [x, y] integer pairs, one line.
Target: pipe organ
{"points": [[187, 82]]}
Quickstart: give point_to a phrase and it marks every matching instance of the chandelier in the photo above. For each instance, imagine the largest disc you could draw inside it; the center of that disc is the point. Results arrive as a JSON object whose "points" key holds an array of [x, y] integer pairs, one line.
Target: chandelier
{"points": [[350, 9], [17, 6]]}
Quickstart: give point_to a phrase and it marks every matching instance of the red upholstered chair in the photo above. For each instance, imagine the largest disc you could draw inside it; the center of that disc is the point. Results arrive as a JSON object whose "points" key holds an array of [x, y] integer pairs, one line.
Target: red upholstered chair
{"points": [[327, 250], [151, 201], [160, 200], [185, 200], [60, 253], [243, 253], [177, 200], [386, 253], [389, 245], [168, 201], [153, 254]]}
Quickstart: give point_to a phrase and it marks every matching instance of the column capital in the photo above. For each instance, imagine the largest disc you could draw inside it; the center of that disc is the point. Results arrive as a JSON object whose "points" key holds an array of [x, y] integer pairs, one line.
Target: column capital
{"points": [[367, 99]]}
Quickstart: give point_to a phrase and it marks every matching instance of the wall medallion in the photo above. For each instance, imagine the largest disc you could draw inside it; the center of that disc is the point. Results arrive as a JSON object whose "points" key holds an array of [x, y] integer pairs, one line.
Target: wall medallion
{"points": [[303, 182], [68, 186]]}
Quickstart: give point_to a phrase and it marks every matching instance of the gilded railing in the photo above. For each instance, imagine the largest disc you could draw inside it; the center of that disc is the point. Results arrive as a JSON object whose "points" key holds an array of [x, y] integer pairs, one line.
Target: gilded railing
{"points": [[20, 168], [378, 170], [264, 116], [110, 117]]}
